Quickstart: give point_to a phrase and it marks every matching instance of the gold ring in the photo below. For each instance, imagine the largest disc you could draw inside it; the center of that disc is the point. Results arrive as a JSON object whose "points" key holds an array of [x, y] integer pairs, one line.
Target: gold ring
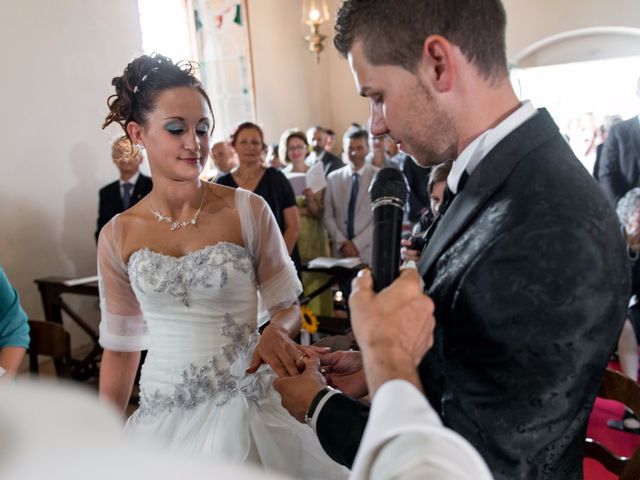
{"points": [[301, 357]]}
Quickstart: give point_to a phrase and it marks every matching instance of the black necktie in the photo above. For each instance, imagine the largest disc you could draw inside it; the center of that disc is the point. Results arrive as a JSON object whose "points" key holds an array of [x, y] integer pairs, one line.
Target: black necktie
{"points": [[463, 180], [351, 211], [447, 198]]}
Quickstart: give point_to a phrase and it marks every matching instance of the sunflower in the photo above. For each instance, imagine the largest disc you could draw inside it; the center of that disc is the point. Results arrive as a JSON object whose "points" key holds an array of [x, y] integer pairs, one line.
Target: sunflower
{"points": [[309, 320]]}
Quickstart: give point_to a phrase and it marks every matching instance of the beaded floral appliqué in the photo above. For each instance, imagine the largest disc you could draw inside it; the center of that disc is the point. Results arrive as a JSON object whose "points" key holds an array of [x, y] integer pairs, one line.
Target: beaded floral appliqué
{"points": [[210, 381], [177, 276]]}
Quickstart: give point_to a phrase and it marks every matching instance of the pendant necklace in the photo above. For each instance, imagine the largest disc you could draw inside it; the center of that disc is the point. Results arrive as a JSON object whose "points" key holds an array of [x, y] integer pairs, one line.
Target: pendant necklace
{"points": [[175, 224]]}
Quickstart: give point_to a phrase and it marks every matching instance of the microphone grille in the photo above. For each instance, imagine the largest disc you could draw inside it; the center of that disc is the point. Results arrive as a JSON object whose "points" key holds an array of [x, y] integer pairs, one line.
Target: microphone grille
{"points": [[389, 182]]}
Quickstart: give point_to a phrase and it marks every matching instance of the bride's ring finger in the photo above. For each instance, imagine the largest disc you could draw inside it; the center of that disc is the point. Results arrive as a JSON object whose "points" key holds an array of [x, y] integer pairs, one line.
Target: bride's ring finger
{"points": [[289, 363]]}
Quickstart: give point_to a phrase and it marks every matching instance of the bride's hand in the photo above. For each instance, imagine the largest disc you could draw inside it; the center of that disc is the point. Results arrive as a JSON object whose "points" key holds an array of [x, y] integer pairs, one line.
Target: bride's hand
{"points": [[278, 350]]}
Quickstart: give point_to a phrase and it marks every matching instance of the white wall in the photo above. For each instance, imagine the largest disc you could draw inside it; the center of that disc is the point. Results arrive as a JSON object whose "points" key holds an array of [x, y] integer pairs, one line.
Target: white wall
{"points": [[530, 21], [57, 60], [347, 106], [291, 89]]}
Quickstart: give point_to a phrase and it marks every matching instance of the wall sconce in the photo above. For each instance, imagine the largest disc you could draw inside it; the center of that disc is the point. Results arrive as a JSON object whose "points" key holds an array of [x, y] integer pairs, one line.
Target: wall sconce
{"points": [[314, 14]]}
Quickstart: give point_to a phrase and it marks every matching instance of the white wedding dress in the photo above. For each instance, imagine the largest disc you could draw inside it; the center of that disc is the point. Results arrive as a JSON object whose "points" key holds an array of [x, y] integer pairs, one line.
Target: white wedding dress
{"points": [[198, 317]]}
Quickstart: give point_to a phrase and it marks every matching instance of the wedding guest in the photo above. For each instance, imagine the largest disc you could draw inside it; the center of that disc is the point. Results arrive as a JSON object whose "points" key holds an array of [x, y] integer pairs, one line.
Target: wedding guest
{"points": [[14, 329], [628, 211], [186, 274], [347, 207], [317, 138], [313, 240], [602, 134], [224, 158], [129, 189], [268, 182], [619, 165], [292, 151]]}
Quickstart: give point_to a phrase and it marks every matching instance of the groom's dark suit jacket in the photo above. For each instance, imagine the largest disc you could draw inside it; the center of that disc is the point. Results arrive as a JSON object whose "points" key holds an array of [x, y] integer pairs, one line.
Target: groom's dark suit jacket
{"points": [[110, 201], [619, 166], [530, 280]]}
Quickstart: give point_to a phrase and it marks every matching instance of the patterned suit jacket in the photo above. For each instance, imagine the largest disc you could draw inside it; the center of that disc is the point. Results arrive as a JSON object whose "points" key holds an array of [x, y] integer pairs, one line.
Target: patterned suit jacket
{"points": [[530, 279]]}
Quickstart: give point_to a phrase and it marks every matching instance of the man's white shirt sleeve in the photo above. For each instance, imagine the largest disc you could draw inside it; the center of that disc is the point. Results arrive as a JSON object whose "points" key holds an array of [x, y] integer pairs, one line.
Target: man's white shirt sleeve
{"points": [[405, 439]]}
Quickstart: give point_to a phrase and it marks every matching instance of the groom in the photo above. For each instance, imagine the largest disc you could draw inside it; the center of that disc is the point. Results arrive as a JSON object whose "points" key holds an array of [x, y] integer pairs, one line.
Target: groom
{"points": [[526, 267]]}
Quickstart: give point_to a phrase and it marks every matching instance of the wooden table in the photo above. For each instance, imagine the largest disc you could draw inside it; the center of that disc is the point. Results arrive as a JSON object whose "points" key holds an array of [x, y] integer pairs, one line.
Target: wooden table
{"points": [[51, 291]]}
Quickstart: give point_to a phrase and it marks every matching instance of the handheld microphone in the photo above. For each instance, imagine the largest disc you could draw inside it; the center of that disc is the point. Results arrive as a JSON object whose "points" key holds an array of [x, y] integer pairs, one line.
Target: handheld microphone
{"points": [[388, 193]]}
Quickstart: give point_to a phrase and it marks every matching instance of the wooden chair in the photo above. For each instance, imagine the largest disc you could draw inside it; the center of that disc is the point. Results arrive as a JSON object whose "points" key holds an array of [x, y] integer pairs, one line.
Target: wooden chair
{"points": [[52, 340], [618, 387]]}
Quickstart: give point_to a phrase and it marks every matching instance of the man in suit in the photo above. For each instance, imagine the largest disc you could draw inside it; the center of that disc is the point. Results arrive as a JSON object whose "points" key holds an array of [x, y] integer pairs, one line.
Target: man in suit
{"points": [[525, 263], [619, 165], [129, 189], [224, 158], [603, 133], [347, 207], [317, 138]]}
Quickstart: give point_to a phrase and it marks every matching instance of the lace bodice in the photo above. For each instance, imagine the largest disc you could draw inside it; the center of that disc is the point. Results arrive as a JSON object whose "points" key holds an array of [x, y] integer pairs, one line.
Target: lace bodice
{"points": [[155, 273], [201, 315]]}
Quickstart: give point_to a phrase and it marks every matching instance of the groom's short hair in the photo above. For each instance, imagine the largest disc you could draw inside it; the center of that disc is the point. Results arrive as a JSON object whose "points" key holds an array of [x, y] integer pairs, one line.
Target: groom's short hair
{"points": [[393, 32]]}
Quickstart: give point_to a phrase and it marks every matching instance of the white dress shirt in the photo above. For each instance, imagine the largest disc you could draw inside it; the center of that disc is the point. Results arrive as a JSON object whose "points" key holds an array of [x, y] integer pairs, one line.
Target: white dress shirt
{"points": [[405, 439], [314, 158]]}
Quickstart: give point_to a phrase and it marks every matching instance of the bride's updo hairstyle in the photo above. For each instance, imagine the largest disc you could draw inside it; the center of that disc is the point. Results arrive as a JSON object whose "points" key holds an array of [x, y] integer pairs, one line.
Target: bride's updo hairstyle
{"points": [[141, 83]]}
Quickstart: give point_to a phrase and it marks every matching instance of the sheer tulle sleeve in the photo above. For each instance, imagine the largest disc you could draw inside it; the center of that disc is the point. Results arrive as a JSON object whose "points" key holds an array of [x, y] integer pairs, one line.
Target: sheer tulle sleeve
{"points": [[278, 284], [122, 326]]}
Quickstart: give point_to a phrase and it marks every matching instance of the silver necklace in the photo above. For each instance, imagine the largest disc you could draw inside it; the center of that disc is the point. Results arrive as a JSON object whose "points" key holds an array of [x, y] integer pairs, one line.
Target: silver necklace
{"points": [[175, 224]]}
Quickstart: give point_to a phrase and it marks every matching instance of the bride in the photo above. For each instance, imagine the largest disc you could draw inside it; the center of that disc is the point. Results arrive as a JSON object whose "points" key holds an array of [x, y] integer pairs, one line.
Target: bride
{"points": [[186, 273]]}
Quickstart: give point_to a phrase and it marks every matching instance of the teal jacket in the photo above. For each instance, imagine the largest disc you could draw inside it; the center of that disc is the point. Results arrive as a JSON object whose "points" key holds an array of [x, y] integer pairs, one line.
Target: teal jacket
{"points": [[14, 329]]}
